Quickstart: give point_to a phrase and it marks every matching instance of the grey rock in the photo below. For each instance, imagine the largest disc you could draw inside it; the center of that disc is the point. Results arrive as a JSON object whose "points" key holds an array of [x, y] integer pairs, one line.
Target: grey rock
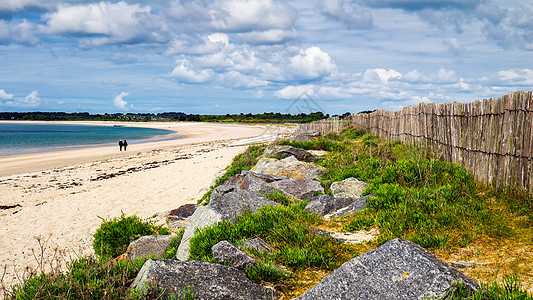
{"points": [[348, 188], [336, 207], [357, 205], [235, 203], [399, 269], [181, 216], [287, 151], [202, 217], [299, 188], [150, 245], [247, 180], [290, 158], [205, 280], [226, 253], [258, 245], [293, 169], [325, 204]]}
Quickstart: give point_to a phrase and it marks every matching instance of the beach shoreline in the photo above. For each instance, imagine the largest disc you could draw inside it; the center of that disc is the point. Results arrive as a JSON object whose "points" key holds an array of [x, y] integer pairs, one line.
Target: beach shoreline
{"points": [[61, 197]]}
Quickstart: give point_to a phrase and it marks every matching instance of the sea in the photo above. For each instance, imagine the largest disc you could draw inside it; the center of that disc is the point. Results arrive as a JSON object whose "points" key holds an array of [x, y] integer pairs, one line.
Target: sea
{"points": [[20, 138]]}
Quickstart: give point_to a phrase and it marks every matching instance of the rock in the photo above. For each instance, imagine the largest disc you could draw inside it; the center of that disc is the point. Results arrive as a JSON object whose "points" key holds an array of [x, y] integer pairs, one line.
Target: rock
{"points": [[226, 253], [399, 269], [289, 159], [249, 181], [150, 245], [357, 205], [299, 188], [287, 151], [204, 280], [181, 216], [348, 188], [258, 245], [325, 204], [358, 237], [294, 169], [235, 203], [202, 217]]}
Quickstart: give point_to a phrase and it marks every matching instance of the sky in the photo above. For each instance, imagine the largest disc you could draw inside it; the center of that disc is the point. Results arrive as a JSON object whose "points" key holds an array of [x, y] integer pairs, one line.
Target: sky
{"points": [[254, 56]]}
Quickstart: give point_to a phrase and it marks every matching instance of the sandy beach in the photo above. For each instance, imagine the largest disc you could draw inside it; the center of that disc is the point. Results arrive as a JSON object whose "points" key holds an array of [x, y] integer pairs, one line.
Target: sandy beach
{"points": [[57, 198]]}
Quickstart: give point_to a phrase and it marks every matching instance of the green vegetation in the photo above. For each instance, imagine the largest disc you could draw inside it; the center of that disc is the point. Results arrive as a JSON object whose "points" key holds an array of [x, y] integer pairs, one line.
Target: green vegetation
{"points": [[85, 278], [287, 229], [434, 203], [114, 236], [242, 162], [270, 117]]}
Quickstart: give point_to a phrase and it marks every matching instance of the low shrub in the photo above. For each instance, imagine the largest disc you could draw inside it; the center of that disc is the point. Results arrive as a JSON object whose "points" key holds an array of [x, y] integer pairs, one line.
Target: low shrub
{"points": [[114, 236]]}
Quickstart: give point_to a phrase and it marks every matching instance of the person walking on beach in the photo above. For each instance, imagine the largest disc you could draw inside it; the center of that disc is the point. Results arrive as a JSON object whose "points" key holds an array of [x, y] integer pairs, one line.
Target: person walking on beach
{"points": [[125, 144], [120, 144]]}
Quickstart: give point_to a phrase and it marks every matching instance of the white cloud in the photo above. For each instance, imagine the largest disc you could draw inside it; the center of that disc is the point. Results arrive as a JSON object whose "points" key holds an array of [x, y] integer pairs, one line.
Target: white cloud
{"points": [[185, 44], [446, 76], [5, 96], [295, 92], [186, 74], [326, 92], [103, 23], [234, 15], [381, 75], [239, 80], [313, 63], [516, 77], [119, 101], [272, 36], [354, 16], [32, 100], [21, 32]]}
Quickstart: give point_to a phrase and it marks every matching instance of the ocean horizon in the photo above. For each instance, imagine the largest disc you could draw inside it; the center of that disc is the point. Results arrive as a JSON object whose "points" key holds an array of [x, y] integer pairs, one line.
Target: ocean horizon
{"points": [[21, 138]]}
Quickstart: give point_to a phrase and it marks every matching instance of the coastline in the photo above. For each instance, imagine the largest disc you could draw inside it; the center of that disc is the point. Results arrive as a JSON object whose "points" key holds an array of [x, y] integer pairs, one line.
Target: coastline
{"points": [[184, 134], [57, 199]]}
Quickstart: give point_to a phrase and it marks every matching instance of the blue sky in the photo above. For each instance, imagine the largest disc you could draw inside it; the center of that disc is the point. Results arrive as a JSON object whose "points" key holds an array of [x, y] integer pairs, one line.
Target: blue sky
{"points": [[232, 56]]}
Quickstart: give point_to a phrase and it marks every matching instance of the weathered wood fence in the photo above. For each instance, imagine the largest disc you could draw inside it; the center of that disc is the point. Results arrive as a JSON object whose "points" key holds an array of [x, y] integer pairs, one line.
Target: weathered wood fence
{"points": [[324, 126], [493, 138]]}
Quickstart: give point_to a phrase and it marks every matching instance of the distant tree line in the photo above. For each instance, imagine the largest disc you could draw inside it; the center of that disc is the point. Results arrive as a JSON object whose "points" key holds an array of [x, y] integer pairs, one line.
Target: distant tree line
{"points": [[270, 117]]}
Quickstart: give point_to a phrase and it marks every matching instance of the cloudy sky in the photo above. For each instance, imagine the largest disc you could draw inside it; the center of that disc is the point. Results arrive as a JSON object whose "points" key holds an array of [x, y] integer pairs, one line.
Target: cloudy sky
{"points": [[232, 56]]}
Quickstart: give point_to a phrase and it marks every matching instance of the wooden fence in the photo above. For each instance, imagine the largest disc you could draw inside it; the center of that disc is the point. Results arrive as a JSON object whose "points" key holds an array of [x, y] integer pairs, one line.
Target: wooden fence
{"points": [[324, 126], [493, 138]]}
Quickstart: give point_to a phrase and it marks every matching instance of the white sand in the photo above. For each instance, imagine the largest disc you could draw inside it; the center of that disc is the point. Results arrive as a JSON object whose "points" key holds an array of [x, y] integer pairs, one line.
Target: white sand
{"points": [[59, 196]]}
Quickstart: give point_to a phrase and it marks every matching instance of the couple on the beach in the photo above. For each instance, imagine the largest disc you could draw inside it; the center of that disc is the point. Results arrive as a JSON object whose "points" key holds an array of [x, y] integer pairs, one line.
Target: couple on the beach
{"points": [[123, 143]]}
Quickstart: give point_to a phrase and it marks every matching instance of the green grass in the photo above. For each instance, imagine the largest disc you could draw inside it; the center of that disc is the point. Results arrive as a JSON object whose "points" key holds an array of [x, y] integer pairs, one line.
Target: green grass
{"points": [[85, 278], [286, 229], [509, 289], [242, 162], [114, 236]]}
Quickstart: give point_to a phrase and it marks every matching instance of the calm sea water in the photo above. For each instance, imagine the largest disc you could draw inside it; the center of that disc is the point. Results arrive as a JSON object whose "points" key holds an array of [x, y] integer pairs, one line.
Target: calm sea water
{"points": [[27, 138]]}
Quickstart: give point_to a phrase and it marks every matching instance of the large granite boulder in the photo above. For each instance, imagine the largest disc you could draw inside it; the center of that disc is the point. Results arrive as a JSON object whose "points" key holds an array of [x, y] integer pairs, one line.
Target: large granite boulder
{"points": [[325, 204], [226, 253], [202, 217], [250, 181], [287, 151], [399, 269], [357, 205], [291, 169], [150, 245], [348, 188], [235, 203], [204, 280], [299, 188]]}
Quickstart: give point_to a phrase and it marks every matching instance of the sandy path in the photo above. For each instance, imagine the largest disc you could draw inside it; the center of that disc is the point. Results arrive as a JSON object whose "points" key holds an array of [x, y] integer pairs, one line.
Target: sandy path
{"points": [[62, 197]]}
